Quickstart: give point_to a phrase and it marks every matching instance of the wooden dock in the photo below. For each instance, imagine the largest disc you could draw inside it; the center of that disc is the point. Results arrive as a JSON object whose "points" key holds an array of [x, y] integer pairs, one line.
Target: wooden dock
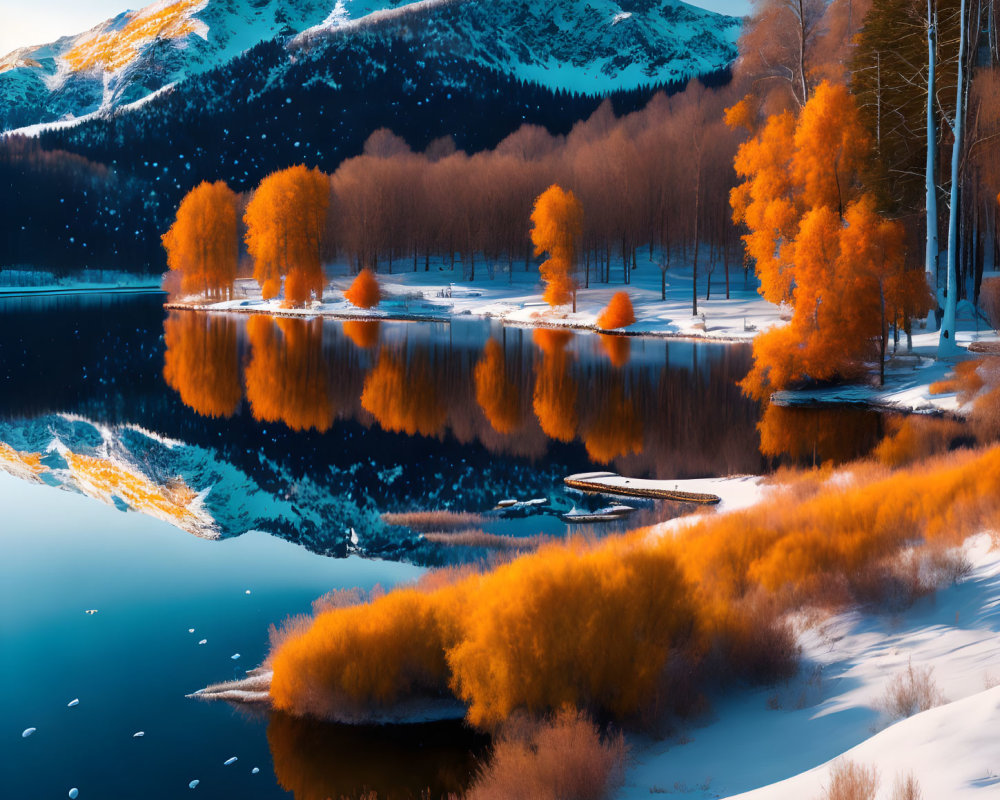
{"points": [[613, 484]]}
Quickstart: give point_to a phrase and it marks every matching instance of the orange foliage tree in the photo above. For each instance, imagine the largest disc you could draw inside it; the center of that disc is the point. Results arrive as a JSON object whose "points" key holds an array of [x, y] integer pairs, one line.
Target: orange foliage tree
{"points": [[364, 291], [820, 245], [558, 225], [618, 313], [287, 378], [202, 362], [203, 243], [286, 221]]}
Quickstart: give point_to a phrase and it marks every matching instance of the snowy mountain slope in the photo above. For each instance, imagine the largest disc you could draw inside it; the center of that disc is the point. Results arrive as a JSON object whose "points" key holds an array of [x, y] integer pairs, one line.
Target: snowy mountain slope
{"points": [[592, 47], [587, 47], [126, 58]]}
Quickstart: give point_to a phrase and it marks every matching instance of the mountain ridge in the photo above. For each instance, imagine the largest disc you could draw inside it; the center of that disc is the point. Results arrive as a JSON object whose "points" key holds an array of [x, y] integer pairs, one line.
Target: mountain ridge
{"points": [[589, 47]]}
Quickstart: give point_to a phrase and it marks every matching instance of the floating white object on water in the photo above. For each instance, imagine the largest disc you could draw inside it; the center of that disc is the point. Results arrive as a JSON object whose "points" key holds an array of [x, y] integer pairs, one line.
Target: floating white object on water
{"points": [[255, 770], [74, 702], [229, 761], [28, 732], [193, 784], [90, 611], [190, 630], [234, 656], [138, 734], [248, 591], [203, 641], [74, 793]]}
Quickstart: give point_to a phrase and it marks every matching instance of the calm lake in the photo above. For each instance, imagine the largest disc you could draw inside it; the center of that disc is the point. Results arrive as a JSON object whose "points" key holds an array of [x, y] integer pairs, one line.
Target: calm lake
{"points": [[221, 473]]}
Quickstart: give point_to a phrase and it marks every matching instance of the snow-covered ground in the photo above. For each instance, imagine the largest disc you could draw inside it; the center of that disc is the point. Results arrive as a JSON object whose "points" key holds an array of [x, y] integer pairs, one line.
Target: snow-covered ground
{"points": [[516, 298], [778, 743], [908, 377]]}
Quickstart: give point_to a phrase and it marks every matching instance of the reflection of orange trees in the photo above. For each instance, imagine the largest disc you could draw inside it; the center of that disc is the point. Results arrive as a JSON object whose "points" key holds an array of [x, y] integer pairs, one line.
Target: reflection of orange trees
{"points": [[201, 362], [27, 466], [557, 220], [617, 348], [202, 245], [173, 502], [363, 291], [554, 397], [601, 626], [403, 396], [287, 378], [111, 50], [496, 394], [363, 332], [817, 435], [286, 221], [616, 429], [618, 313]]}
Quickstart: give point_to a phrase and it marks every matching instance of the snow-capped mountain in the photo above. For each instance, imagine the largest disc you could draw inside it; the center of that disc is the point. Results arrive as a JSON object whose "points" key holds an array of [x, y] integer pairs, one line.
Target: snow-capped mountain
{"points": [[590, 46], [131, 56]]}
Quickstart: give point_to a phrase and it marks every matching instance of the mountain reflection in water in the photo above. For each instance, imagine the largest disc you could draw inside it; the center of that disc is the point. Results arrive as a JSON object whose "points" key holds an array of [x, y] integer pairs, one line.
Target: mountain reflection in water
{"points": [[311, 429]]}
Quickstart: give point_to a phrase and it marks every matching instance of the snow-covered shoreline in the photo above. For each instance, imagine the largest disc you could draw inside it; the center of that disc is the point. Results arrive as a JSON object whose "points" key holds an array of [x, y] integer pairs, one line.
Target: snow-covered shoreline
{"points": [[515, 298], [779, 742]]}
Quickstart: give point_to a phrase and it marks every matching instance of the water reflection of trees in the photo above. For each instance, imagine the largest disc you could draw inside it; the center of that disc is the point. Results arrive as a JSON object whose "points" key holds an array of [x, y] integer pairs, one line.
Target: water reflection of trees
{"points": [[516, 395], [817, 435], [201, 362], [315, 760], [287, 378]]}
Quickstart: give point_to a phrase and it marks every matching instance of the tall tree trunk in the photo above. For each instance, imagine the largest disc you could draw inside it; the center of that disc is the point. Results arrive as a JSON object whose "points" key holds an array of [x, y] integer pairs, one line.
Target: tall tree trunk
{"points": [[930, 173], [946, 344]]}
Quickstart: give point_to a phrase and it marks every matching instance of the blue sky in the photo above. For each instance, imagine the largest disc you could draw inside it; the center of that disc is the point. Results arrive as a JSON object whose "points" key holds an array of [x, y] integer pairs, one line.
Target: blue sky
{"points": [[27, 22]]}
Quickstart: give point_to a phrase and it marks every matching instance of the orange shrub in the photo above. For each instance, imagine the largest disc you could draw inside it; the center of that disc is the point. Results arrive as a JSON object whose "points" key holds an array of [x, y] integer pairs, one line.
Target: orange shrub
{"points": [[912, 438], [364, 291], [565, 757], [353, 659], [638, 621], [618, 313]]}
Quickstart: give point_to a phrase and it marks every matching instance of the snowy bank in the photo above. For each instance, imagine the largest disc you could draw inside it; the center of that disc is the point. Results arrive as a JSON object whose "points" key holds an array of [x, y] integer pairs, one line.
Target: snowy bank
{"points": [[777, 743], [908, 379], [515, 298]]}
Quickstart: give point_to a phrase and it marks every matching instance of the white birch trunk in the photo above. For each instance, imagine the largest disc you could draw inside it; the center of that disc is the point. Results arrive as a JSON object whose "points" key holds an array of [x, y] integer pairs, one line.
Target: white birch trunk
{"points": [[931, 256], [946, 344]]}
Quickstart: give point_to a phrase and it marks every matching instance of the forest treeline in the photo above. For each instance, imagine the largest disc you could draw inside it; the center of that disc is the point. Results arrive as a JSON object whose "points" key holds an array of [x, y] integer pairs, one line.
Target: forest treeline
{"points": [[658, 178], [251, 116]]}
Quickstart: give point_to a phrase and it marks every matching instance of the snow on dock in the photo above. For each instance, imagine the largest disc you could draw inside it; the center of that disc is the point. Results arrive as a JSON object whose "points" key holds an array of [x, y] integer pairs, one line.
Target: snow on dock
{"points": [[727, 493]]}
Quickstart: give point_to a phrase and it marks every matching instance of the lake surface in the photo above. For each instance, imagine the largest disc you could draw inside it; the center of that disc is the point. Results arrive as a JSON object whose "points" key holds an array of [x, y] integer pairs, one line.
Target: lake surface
{"points": [[202, 457]]}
